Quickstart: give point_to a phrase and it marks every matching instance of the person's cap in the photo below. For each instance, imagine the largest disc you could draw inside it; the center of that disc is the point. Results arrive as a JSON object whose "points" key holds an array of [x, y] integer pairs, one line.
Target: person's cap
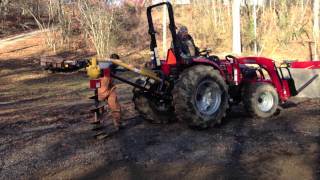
{"points": [[183, 29]]}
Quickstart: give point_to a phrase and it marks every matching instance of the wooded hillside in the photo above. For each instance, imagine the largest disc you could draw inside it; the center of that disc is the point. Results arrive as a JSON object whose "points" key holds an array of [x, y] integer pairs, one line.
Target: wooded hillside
{"points": [[280, 29]]}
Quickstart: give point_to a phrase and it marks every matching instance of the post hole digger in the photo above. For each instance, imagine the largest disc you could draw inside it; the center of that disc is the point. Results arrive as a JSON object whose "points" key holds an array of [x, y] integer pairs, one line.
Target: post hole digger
{"points": [[199, 90]]}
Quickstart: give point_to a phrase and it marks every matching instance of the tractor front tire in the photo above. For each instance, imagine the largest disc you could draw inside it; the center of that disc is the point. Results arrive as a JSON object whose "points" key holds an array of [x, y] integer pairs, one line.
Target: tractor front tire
{"points": [[200, 97], [260, 100]]}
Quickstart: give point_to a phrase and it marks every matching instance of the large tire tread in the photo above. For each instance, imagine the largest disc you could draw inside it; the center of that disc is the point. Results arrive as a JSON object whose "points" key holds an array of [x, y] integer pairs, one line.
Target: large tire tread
{"points": [[183, 96], [249, 96], [147, 111]]}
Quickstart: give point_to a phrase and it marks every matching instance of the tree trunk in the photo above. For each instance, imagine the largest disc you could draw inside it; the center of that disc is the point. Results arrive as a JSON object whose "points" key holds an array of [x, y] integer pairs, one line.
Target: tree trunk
{"points": [[315, 27], [164, 32], [236, 48], [254, 16], [214, 7]]}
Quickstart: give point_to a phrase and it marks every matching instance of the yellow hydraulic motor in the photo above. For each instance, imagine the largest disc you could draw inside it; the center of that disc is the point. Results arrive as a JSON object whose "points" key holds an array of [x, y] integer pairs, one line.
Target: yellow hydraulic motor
{"points": [[93, 70]]}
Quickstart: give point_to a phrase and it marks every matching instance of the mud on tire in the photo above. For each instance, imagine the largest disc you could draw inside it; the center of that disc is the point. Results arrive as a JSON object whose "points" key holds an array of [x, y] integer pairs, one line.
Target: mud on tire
{"points": [[151, 109], [260, 100], [200, 97]]}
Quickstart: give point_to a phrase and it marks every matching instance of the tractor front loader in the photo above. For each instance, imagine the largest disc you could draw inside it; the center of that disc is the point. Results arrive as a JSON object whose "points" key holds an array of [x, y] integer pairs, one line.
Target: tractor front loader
{"points": [[200, 89]]}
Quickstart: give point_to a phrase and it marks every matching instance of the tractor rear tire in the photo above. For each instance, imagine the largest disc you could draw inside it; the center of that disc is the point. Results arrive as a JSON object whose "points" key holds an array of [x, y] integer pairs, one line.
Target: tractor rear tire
{"points": [[152, 109], [200, 97], [260, 100]]}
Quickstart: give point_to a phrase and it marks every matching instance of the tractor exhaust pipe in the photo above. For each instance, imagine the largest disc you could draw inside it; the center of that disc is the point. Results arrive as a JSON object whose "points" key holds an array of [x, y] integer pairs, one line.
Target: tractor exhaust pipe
{"points": [[308, 83]]}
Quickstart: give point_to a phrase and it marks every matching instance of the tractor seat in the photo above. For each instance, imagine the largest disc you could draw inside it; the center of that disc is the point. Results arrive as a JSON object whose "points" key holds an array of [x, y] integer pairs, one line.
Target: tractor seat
{"points": [[249, 72]]}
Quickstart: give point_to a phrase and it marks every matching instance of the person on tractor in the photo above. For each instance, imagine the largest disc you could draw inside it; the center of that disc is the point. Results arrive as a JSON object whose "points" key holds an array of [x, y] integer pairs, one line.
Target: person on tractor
{"points": [[188, 48], [107, 92]]}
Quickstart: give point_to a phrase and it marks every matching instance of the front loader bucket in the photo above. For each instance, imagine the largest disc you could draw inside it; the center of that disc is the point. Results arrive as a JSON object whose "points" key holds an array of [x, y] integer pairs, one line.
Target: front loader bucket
{"points": [[306, 77]]}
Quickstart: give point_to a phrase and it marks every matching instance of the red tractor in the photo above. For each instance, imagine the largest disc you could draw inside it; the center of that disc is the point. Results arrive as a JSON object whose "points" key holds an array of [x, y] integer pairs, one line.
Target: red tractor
{"points": [[201, 89]]}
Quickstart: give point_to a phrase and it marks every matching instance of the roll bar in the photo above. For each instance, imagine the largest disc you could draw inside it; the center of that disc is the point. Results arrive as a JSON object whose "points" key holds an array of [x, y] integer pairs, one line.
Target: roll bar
{"points": [[152, 33]]}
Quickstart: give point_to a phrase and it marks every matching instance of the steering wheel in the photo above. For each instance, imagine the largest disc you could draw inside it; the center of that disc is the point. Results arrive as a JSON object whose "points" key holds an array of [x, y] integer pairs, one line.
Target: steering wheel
{"points": [[205, 52]]}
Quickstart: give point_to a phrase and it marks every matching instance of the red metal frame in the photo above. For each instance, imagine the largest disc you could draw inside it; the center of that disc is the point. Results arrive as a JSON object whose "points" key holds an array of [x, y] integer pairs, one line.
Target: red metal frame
{"points": [[305, 65], [201, 60], [95, 83], [231, 71], [267, 64]]}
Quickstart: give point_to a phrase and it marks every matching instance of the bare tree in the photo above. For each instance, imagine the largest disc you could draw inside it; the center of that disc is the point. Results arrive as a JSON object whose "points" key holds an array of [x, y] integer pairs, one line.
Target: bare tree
{"points": [[254, 16], [3, 10], [97, 21], [236, 27], [316, 27]]}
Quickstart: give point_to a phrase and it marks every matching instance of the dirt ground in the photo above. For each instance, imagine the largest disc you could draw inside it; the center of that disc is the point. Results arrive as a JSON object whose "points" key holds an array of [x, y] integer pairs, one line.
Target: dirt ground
{"points": [[44, 134]]}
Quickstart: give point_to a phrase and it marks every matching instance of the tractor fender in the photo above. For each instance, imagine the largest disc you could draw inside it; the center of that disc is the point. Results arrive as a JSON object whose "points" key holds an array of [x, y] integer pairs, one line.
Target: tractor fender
{"points": [[205, 61]]}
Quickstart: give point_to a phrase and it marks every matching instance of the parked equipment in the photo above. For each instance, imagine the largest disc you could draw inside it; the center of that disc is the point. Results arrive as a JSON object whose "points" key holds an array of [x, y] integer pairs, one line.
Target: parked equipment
{"points": [[200, 89], [60, 64]]}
